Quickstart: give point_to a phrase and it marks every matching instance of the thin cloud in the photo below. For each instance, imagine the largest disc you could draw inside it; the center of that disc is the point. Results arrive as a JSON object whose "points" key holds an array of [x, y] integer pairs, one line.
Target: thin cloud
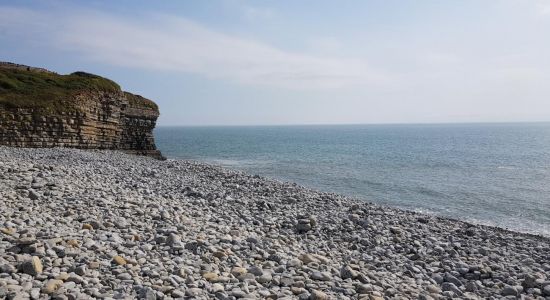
{"points": [[542, 7], [325, 44], [163, 42], [254, 13]]}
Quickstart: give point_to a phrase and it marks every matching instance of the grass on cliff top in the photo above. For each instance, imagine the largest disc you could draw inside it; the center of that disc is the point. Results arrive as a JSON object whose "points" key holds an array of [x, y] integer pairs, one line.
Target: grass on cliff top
{"points": [[47, 91], [139, 101]]}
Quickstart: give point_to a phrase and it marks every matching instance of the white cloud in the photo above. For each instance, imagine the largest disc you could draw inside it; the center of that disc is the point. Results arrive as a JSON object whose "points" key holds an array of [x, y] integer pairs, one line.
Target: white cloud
{"points": [[544, 8], [325, 44], [162, 42]]}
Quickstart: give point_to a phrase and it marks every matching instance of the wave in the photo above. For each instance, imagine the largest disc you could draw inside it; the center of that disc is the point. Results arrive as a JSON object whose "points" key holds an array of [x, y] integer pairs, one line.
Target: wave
{"points": [[237, 162]]}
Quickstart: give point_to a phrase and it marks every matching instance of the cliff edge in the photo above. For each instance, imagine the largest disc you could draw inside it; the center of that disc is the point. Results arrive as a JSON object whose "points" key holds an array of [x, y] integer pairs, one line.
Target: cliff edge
{"points": [[43, 109]]}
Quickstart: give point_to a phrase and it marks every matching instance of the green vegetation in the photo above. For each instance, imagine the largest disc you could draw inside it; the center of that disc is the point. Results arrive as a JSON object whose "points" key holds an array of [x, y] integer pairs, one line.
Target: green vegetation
{"points": [[45, 91], [139, 101]]}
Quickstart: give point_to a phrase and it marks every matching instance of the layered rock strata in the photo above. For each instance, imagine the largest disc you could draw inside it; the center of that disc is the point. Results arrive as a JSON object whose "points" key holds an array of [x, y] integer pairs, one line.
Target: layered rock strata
{"points": [[75, 111]]}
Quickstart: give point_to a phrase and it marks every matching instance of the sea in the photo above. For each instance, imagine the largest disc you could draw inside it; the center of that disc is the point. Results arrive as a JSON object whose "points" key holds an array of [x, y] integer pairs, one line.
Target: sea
{"points": [[492, 174]]}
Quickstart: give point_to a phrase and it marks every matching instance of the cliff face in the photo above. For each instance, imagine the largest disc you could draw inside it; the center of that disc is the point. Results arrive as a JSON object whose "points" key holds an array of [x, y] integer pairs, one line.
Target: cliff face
{"points": [[39, 108]]}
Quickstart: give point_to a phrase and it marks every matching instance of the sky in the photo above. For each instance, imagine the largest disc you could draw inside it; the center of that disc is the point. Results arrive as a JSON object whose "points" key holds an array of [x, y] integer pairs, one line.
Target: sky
{"points": [[239, 62]]}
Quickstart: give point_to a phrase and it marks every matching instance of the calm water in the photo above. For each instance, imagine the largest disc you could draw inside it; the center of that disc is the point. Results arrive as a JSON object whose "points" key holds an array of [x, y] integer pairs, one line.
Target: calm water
{"points": [[497, 174]]}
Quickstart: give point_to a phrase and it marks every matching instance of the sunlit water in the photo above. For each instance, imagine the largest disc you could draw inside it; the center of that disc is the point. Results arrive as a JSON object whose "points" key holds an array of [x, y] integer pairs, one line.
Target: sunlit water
{"points": [[496, 174]]}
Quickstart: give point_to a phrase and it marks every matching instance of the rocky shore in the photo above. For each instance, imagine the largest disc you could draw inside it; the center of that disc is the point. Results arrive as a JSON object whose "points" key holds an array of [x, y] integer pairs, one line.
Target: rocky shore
{"points": [[78, 224]]}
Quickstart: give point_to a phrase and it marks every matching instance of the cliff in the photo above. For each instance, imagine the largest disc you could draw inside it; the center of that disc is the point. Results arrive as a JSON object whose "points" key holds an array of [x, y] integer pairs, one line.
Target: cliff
{"points": [[39, 108]]}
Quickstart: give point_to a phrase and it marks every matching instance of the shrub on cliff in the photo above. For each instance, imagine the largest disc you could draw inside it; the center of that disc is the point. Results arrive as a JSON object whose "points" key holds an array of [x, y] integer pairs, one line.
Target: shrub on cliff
{"points": [[20, 88], [139, 101]]}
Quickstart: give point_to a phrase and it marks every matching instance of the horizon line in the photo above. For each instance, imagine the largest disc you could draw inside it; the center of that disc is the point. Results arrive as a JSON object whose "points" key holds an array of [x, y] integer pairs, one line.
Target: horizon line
{"points": [[355, 124]]}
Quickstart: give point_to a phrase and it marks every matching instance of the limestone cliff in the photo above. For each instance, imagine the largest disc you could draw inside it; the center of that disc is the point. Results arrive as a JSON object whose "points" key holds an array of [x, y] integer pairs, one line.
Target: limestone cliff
{"points": [[39, 108]]}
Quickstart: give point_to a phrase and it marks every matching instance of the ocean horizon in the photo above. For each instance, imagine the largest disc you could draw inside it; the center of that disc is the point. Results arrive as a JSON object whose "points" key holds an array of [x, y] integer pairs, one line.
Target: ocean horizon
{"points": [[355, 124], [487, 173]]}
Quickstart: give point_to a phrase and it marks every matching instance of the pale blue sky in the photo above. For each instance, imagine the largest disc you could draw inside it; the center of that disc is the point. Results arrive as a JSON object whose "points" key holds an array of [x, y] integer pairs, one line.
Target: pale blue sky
{"points": [[237, 62]]}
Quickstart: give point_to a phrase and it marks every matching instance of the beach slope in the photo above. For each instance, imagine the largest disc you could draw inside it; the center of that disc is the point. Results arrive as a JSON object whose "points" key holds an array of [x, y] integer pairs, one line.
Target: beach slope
{"points": [[78, 224]]}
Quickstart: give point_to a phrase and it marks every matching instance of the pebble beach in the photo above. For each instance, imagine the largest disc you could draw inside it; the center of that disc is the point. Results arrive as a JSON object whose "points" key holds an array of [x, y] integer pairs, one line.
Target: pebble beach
{"points": [[80, 224]]}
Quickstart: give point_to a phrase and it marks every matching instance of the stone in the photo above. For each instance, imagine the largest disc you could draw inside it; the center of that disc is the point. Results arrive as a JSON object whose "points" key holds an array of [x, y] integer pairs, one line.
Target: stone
{"points": [[7, 268], [124, 276], [173, 239], [87, 227], [193, 292], [210, 276], [471, 287], [35, 293], [451, 287], [237, 293], [433, 289], [62, 276], [217, 288], [294, 263], [529, 281], [219, 254], [51, 286], [264, 278], [75, 278], [96, 224], [347, 272], [318, 295], [8, 231], [148, 294], [32, 267], [306, 224], [323, 276], [27, 240], [308, 258], [255, 271], [73, 243], [509, 291], [297, 290], [438, 278], [119, 260], [364, 288], [238, 271], [313, 221], [452, 279], [33, 195], [303, 227], [177, 294], [395, 230], [81, 270]]}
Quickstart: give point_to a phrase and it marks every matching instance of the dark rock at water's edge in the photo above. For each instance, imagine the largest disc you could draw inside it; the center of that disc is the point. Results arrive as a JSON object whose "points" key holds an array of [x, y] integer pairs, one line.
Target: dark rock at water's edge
{"points": [[43, 109]]}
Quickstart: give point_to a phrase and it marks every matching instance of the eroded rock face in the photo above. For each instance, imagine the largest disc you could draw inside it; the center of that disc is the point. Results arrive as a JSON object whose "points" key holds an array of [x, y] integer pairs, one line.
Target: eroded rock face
{"points": [[97, 119]]}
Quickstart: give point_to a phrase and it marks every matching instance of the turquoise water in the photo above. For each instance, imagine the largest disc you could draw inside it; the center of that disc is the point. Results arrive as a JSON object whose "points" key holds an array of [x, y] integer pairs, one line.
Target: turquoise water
{"points": [[495, 174]]}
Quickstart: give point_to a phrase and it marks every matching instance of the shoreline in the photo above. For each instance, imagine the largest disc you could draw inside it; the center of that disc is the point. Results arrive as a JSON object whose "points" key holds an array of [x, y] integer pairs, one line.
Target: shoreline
{"points": [[358, 199], [189, 229]]}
